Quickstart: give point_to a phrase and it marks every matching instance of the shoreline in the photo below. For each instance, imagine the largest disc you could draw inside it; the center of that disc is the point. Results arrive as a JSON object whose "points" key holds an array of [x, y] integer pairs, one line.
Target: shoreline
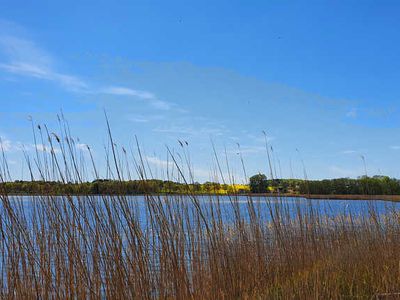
{"points": [[392, 198]]}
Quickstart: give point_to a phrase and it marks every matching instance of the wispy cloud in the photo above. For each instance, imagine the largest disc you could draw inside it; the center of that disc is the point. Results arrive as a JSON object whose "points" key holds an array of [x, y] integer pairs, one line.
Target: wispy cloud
{"points": [[45, 148], [247, 150], [188, 130], [139, 119], [159, 162], [395, 147], [8, 145], [23, 57], [124, 91], [145, 118], [26, 69], [348, 152], [5, 144], [81, 146]]}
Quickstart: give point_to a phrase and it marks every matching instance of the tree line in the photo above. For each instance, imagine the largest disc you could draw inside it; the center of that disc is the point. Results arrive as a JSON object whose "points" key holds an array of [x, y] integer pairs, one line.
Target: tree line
{"points": [[376, 185], [115, 187]]}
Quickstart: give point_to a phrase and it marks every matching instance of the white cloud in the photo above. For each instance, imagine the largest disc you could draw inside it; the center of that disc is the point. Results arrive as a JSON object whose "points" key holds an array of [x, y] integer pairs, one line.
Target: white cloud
{"points": [[139, 119], [82, 147], [348, 152], [159, 162], [12, 146], [8, 145], [248, 150], [187, 130], [21, 49], [144, 118], [25, 58], [395, 147], [5, 145], [45, 148], [123, 91], [32, 70], [150, 97]]}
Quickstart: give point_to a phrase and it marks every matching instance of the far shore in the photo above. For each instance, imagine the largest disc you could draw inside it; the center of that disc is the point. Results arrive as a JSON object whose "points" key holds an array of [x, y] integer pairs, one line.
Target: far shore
{"points": [[393, 198]]}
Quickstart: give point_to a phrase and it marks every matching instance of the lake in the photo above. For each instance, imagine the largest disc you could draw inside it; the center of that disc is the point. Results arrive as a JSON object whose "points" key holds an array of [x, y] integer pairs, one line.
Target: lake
{"points": [[228, 207]]}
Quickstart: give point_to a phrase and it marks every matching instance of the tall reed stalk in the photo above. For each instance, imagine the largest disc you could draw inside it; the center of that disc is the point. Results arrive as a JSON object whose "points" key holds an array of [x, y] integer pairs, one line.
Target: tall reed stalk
{"points": [[182, 247]]}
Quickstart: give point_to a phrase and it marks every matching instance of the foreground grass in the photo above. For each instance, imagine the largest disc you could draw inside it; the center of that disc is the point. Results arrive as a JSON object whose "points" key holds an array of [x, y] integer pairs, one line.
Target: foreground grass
{"points": [[96, 248], [184, 247]]}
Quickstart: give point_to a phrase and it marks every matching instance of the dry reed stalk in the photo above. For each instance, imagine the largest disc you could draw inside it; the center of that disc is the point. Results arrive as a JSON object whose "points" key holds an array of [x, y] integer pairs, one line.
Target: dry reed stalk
{"points": [[175, 247]]}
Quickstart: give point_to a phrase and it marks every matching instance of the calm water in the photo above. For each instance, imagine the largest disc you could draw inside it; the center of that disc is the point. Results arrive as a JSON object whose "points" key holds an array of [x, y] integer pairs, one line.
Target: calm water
{"points": [[172, 205], [209, 204]]}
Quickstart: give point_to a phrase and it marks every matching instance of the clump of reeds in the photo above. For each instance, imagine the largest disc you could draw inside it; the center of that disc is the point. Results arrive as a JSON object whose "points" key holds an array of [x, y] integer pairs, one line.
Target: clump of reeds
{"points": [[182, 247]]}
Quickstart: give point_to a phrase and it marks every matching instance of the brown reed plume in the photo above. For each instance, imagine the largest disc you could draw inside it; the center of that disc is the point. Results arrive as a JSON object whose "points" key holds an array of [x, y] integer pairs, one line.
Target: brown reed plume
{"points": [[181, 246]]}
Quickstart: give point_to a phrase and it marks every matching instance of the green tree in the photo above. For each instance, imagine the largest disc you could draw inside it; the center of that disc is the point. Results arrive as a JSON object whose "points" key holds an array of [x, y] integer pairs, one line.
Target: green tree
{"points": [[258, 183]]}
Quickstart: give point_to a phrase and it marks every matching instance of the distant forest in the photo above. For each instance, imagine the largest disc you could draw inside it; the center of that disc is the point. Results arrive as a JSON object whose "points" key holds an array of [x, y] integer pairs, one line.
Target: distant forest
{"points": [[376, 185]]}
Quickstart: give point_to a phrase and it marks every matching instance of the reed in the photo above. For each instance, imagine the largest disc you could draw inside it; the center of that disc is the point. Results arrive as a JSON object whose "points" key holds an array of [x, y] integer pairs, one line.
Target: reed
{"points": [[182, 247]]}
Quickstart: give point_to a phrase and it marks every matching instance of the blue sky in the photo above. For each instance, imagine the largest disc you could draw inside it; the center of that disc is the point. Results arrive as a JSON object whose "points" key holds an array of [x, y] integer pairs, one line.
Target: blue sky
{"points": [[317, 76]]}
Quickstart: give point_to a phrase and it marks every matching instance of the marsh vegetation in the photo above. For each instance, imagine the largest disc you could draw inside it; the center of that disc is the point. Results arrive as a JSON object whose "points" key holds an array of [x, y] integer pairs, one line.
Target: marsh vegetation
{"points": [[184, 246]]}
